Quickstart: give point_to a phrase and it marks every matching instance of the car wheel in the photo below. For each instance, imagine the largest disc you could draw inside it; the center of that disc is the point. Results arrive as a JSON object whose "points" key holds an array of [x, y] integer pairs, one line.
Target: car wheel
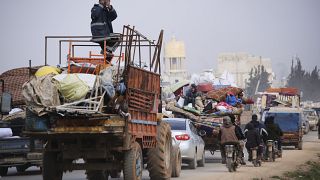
{"points": [[202, 161], [193, 162]]}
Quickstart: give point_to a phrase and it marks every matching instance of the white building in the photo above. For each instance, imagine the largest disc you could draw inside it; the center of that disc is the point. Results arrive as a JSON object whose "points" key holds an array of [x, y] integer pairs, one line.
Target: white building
{"points": [[174, 61], [240, 65]]}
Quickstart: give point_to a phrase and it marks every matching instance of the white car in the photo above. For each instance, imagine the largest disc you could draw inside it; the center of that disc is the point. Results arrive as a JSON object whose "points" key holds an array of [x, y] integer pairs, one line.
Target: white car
{"points": [[191, 144]]}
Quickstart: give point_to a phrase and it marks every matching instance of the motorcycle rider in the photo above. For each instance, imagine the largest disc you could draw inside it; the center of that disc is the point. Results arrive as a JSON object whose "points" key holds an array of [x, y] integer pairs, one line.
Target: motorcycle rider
{"points": [[260, 128], [241, 139], [253, 140], [274, 131], [228, 135]]}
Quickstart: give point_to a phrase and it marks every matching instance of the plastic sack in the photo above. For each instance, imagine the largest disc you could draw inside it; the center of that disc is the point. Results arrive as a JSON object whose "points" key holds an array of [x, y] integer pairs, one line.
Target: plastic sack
{"points": [[5, 132], [45, 70], [180, 102], [89, 79], [73, 88], [107, 82]]}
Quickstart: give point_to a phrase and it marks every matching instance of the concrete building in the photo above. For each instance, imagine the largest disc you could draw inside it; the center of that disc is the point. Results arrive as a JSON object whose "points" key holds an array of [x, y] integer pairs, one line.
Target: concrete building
{"points": [[240, 65], [174, 61]]}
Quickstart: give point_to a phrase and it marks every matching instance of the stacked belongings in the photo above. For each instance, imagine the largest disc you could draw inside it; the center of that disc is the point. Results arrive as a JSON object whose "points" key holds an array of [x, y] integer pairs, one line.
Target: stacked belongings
{"points": [[70, 94], [206, 110]]}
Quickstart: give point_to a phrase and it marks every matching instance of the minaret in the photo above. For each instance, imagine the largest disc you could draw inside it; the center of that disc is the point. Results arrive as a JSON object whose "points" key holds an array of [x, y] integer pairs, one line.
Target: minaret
{"points": [[174, 61]]}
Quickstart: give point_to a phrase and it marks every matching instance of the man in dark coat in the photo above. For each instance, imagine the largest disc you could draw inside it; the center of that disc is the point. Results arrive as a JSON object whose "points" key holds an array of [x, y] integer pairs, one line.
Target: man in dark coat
{"points": [[274, 131], [262, 132], [191, 95], [102, 15], [253, 139]]}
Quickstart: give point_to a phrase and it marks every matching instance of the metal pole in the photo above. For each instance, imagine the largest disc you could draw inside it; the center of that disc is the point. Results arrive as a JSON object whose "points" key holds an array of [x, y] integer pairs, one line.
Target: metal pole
{"points": [[45, 51], [60, 52]]}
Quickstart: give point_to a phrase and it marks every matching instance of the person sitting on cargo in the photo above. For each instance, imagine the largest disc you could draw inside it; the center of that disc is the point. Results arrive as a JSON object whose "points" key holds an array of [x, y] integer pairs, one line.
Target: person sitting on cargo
{"points": [[253, 140], [228, 135], [231, 99], [191, 95], [274, 131], [102, 15]]}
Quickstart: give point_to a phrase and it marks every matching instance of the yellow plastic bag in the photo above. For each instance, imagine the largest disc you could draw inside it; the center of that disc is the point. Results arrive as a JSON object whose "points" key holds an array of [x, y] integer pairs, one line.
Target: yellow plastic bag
{"points": [[72, 88], [45, 70]]}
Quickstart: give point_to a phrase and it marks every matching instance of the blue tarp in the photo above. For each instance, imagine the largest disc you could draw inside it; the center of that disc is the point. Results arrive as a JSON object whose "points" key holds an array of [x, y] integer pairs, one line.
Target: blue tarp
{"points": [[288, 122]]}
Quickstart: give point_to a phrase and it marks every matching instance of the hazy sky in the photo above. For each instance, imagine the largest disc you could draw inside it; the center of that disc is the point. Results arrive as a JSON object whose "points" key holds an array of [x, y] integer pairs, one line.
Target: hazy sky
{"points": [[277, 29]]}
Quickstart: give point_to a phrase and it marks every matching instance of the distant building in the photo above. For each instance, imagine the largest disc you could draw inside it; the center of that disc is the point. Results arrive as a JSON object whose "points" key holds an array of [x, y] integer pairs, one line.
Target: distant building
{"points": [[240, 65], [174, 61]]}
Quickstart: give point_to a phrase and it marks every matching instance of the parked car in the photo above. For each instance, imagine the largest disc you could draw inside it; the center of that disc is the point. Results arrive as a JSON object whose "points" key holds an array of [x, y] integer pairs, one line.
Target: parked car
{"points": [[305, 124], [312, 117], [191, 144], [175, 158]]}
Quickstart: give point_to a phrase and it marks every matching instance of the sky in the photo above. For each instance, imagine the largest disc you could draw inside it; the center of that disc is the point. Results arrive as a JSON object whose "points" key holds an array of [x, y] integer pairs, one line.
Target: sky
{"points": [[275, 29]]}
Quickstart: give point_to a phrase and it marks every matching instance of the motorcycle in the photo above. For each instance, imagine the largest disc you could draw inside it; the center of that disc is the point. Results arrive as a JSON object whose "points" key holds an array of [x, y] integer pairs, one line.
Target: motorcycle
{"points": [[255, 157], [232, 157], [272, 150]]}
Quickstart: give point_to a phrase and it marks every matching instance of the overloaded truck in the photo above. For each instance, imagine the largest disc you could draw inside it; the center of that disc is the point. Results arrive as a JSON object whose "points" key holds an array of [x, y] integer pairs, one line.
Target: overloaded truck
{"points": [[208, 111], [115, 125]]}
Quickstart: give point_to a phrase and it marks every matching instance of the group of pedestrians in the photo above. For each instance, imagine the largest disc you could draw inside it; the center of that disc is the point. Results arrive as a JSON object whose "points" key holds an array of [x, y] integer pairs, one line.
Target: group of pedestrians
{"points": [[255, 135]]}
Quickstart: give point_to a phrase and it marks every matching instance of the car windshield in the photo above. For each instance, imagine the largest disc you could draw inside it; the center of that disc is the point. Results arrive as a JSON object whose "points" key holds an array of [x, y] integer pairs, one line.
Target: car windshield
{"points": [[288, 122], [177, 125]]}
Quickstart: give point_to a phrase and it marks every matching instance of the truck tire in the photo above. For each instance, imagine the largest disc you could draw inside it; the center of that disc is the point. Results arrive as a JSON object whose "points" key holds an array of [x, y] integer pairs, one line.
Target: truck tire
{"points": [[50, 168], [3, 171], [176, 162], [133, 163], [159, 164]]}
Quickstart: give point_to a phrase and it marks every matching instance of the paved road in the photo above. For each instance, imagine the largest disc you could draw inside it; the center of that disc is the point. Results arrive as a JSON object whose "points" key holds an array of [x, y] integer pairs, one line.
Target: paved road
{"points": [[213, 168]]}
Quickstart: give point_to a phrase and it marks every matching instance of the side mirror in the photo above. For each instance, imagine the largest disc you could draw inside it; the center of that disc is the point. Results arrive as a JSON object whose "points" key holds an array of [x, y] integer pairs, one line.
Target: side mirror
{"points": [[6, 102], [202, 133]]}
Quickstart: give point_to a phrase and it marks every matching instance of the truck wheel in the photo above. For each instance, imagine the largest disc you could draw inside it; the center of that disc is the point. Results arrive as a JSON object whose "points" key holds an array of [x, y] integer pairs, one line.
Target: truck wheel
{"points": [[50, 168], [133, 163], [3, 171], [176, 162], [159, 164]]}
